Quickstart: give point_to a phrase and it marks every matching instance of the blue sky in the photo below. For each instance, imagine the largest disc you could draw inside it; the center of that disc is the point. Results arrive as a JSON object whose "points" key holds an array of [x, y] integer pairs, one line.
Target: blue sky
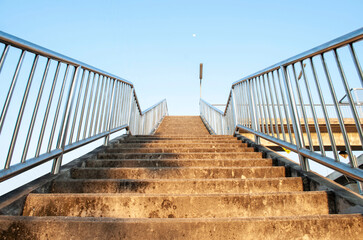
{"points": [[151, 43]]}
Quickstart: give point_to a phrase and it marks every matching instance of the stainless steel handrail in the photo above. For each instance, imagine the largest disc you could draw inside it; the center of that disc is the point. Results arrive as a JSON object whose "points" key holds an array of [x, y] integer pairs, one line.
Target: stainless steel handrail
{"points": [[83, 104], [333, 44], [283, 107]]}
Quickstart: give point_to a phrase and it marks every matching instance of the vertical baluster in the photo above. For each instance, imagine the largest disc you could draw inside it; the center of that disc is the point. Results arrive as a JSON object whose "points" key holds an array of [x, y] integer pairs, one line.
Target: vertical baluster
{"points": [[35, 112], [83, 107], [317, 129], [108, 103], [301, 101], [77, 107], [100, 128], [251, 98], [266, 117], [102, 90], [304, 163], [285, 108], [3, 56], [337, 109], [89, 106], [21, 112], [355, 60], [46, 115], [353, 161], [325, 112], [110, 111], [11, 89], [130, 99], [278, 106], [125, 111], [267, 105], [115, 110], [260, 112], [349, 96], [92, 127], [57, 163], [240, 114], [55, 120], [273, 106]]}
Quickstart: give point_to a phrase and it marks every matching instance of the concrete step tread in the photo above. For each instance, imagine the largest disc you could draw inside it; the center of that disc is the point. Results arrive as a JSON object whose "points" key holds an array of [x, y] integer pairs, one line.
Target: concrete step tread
{"points": [[178, 172], [333, 227], [178, 168], [167, 195], [216, 141], [230, 149], [178, 150], [190, 137], [208, 155], [180, 144], [353, 217], [178, 162], [194, 180], [174, 186], [176, 205]]}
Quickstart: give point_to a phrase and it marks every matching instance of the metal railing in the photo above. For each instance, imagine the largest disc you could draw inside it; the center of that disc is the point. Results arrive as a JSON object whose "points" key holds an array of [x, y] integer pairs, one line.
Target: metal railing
{"points": [[53, 104], [290, 100]]}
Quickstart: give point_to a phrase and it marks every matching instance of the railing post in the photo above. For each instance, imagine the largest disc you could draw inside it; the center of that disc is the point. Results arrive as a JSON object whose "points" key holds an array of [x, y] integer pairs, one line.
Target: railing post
{"points": [[233, 110], [130, 110], [295, 119], [252, 108], [65, 121], [110, 113]]}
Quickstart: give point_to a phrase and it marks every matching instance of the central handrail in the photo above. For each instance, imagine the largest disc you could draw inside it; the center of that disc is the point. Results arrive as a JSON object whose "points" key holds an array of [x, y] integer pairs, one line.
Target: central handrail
{"points": [[75, 104], [287, 102]]}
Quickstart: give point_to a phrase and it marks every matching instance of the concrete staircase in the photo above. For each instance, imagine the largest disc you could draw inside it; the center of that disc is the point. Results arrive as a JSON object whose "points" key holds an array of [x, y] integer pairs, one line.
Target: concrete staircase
{"points": [[180, 183]]}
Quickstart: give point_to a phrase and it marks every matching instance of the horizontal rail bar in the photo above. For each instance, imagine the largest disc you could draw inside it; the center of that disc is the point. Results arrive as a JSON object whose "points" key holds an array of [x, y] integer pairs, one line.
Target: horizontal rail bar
{"points": [[211, 106], [36, 49], [338, 42], [354, 173], [29, 164], [153, 106]]}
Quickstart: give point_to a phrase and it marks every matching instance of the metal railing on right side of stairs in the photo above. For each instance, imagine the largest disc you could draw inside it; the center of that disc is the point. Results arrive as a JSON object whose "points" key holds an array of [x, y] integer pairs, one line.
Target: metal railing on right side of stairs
{"points": [[303, 104], [53, 104]]}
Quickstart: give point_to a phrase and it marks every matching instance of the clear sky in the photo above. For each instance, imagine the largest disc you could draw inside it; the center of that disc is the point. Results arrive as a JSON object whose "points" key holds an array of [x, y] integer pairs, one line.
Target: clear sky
{"points": [[151, 42]]}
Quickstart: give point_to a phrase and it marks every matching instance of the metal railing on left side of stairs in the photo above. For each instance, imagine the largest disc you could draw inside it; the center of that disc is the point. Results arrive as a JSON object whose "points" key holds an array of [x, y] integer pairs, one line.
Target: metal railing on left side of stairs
{"points": [[53, 104]]}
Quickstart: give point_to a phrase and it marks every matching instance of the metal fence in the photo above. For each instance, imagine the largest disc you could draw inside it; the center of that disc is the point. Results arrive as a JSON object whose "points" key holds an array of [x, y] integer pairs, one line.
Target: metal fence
{"points": [[53, 104], [294, 102]]}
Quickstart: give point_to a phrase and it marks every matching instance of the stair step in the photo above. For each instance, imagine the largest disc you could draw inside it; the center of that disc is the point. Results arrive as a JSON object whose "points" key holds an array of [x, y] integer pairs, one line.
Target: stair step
{"points": [[181, 141], [179, 155], [176, 206], [272, 228], [184, 186], [178, 172], [179, 163], [189, 137], [177, 150], [178, 145]]}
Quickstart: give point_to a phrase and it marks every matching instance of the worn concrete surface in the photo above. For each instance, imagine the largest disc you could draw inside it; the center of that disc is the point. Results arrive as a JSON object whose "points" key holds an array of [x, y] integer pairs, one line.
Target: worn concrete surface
{"points": [[181, 183], [178, 172], [263, 162], [177, 205], [175, 186], [276, 228]]}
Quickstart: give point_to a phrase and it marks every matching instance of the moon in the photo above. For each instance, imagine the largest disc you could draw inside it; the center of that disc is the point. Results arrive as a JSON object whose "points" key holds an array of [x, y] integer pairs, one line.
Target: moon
{"points": [[194, 35]]}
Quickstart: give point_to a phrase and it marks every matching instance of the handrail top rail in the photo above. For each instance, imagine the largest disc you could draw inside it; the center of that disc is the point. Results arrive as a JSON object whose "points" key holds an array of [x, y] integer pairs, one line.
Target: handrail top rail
{"points": [[153, 106], [211, 106], [335, 43], [39, 50]]}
